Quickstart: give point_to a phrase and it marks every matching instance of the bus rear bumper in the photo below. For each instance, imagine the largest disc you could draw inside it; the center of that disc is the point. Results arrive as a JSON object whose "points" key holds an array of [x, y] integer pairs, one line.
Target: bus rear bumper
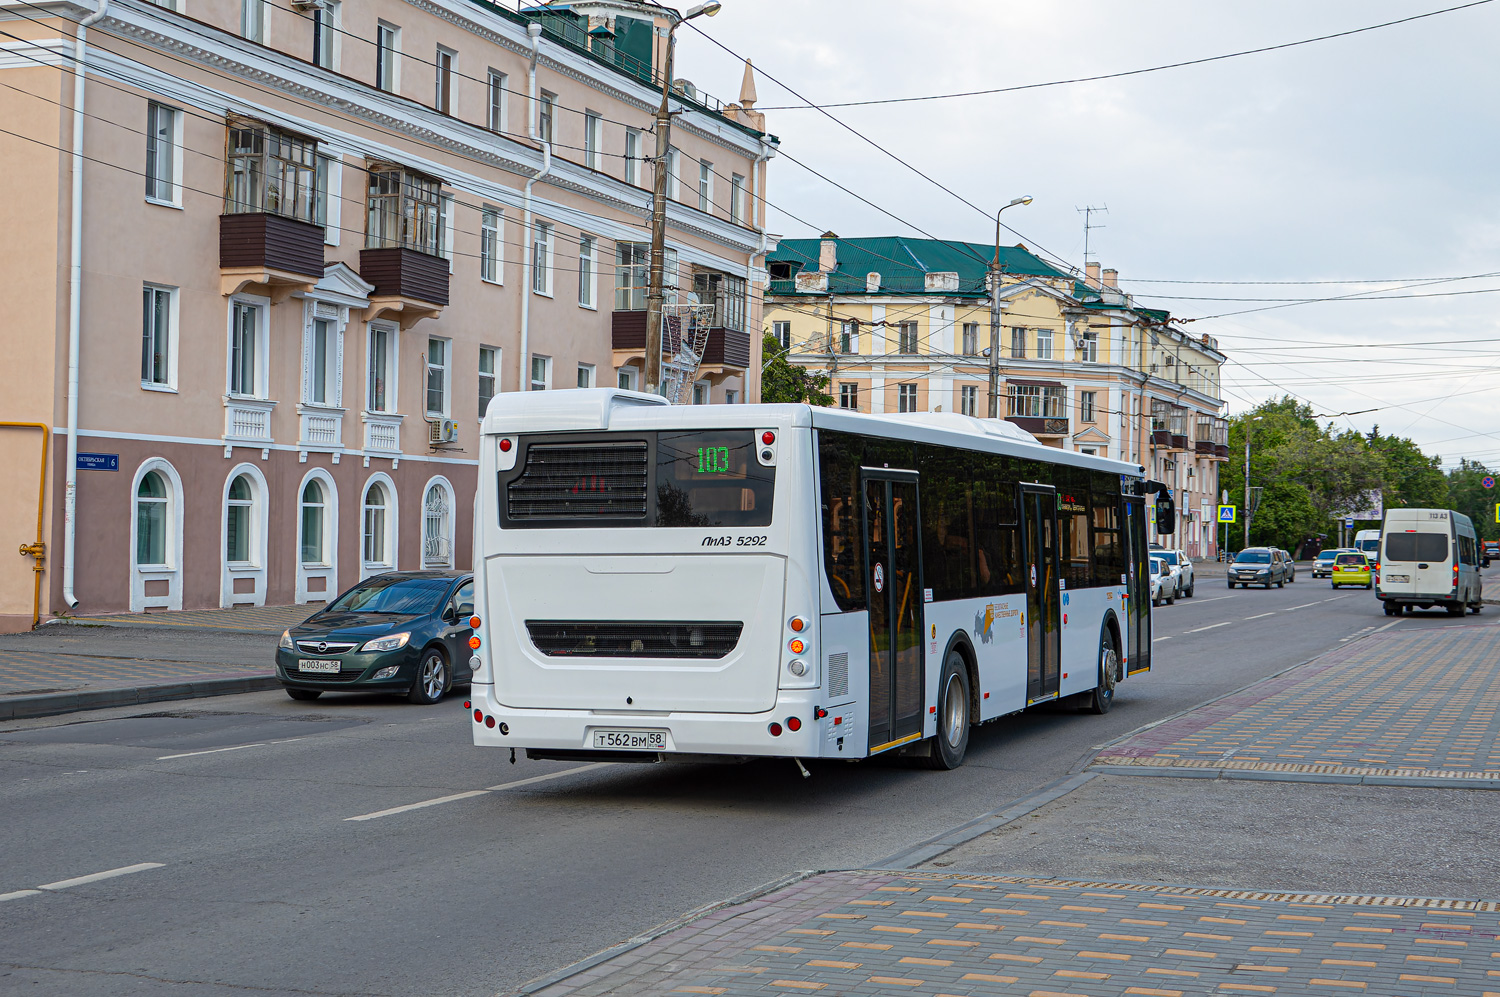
{"points": [[579, 734]]}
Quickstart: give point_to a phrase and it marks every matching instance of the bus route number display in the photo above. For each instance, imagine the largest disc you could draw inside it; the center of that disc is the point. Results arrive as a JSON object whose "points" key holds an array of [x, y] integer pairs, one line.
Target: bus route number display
{"points": [[713, 460]]}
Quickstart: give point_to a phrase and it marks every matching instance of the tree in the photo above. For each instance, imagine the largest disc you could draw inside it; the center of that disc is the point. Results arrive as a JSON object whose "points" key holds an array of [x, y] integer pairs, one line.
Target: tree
{"points": [[1467, 494], [1413, 479], [781, 381]]}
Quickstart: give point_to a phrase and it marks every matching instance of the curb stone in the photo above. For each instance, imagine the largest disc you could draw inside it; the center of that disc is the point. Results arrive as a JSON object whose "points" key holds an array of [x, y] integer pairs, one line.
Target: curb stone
{"points": [[54, 704]]}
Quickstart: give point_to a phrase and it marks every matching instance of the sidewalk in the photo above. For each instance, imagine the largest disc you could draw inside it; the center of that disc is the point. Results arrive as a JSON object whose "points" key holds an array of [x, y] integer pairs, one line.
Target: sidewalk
{"points": [[1328, 830], [95, 662]]}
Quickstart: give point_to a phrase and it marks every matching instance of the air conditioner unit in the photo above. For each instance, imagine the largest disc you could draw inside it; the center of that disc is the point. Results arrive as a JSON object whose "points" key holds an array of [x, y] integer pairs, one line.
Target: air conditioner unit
{"points": [[307, 4], [1081, 343], [441, 431]]}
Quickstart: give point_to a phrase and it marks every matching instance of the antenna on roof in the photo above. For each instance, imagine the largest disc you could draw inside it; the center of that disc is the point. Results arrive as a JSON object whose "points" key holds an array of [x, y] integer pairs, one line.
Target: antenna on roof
{"points": [[1088, 224]]}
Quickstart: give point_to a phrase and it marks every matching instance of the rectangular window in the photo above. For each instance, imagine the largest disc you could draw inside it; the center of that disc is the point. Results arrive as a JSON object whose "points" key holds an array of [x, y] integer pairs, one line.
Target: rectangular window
{"points": [[705, 185], [783, 333], [971, 339], [541, 259], [592, 127], [321, 363], [1036, 402], [1086, 406], [625, 378], [731, 397], [587, 268], [161, 153], [1044, 344], [541, 372], [726, 293], [437, 377], [849, 336], [1090, 352], [700, 393], [443, 97], [156, 336], [328, 181], [497, 102], [906, 338], [381, 395], [488, 385], [968, 400], [489, 245], [387, 57], [585, 375], [326, 23], [632, 275], [446, 229], [244, 350], [632, 156], [674, 173], [545, 111], [906, 398], [403, 208], [737, 199], [849, 395], [271, 171], [253, 20], [1018, 343]]}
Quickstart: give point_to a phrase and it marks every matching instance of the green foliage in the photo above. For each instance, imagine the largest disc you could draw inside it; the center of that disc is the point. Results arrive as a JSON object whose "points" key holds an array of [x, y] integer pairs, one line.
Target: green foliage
{"points": [[1413, 479], [1467, 494], [781, 381]]}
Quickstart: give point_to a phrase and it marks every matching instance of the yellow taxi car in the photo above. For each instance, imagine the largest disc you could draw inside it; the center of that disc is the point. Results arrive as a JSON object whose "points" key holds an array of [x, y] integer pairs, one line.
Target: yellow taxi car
{"points": [[1351, 569]]}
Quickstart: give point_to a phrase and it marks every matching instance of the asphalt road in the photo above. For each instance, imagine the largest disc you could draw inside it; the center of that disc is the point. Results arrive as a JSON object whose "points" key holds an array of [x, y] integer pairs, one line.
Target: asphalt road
{"points": [[261, 881]]}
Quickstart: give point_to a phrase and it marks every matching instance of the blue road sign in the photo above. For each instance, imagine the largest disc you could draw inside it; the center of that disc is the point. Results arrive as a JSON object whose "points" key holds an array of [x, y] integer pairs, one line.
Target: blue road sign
{"points": [[98, 462]]}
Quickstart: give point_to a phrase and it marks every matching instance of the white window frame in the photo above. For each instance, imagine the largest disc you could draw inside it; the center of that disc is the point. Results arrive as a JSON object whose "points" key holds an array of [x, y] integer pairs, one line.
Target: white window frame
{"points": [[737, 199], [1044, 343], [849, 392], [446, 229], [390, 533], [171, 571], [906, 398], [1087, 409], [444, 63], [907, 335], [627, 377], [172, 156], [633, 156], [782, 331], [546, 116], [586, 375], [731, 396], [1018, 343], [387, 57], [702, 393], [171, 334], [493, 375], [593, 131], [255, 567], [262, 371], [492, 244], [1090, 352], [674, 174], [543, 236], [392, 366], [253, 20], [705, 185], [588, 272], [497, 104], [968, 399], [969, 343], [333, 362], [546, 369], [329, 196], [849, 336], [445, 372], [328, 43], [448, 527], [328, 568]]}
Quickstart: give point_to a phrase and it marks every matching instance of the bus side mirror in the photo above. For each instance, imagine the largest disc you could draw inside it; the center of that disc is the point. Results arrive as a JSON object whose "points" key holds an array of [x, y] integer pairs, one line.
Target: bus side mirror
{"points": [[1166, 514]]}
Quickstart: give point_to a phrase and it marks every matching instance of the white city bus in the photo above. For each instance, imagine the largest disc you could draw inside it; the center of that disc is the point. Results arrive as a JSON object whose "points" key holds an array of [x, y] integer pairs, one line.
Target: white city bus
{"points": [[658, 581]]}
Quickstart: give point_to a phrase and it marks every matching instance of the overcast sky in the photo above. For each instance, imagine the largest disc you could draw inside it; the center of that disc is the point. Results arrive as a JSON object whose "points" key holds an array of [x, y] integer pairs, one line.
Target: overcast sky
{"points": [[1363, 158]]}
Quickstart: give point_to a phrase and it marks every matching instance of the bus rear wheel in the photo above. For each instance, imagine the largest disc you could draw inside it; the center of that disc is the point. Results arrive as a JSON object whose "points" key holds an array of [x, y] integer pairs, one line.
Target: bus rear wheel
{"points": [[952, 741]]}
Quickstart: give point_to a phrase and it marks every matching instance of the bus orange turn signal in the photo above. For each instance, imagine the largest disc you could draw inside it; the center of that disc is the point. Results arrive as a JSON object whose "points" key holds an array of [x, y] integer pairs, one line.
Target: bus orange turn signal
{"points": [[474, 642], [475, 622], [797, 647]]}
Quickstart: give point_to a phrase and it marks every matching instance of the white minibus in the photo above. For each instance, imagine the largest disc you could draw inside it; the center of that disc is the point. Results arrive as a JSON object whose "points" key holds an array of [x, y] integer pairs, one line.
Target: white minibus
{"points": [[658, 581], [1429, 557]]}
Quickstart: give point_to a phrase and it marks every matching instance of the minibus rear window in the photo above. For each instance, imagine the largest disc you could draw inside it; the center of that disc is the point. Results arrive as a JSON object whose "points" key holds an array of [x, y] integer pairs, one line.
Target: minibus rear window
{"points": [[1416, 547]]}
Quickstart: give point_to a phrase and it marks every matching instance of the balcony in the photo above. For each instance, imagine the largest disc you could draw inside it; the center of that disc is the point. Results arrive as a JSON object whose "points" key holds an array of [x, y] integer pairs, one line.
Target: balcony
{"points": [[280, 253], [409, 285], [1039, 425], [382, 432], [247, 420], [1161, 438], [727, 351], [320, 427]]}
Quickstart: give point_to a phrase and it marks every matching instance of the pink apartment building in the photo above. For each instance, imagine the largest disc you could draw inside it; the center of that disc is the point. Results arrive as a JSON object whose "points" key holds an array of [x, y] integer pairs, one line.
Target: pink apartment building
{"points": [[300, 244]]}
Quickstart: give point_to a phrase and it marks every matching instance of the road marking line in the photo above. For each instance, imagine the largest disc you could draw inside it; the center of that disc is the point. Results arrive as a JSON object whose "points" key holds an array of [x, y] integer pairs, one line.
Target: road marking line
{"points": [[1211, 626], [1203, 602], [1338, 597], [237, 747], [1155, 639], [1260, 617], [18, 894], [1306, 605], [126, 870], [419, 806], [546, 778], [1389, 625]]}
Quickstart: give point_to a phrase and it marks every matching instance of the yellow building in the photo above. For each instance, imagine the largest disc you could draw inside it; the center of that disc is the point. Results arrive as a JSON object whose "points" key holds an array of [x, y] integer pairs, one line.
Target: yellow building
{"points": [[904, 325]]}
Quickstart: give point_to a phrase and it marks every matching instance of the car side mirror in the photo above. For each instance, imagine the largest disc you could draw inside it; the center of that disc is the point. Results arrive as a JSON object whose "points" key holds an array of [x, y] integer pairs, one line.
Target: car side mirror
{"points": [[450, 615], [1166, 514]]}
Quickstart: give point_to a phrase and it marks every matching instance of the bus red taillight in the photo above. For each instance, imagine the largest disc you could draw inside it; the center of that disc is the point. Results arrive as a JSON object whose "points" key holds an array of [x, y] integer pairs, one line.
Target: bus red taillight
{"points": [[793, 724], [775, 729], [489, 721], [768, 437], [478, 716], [505, 444]]}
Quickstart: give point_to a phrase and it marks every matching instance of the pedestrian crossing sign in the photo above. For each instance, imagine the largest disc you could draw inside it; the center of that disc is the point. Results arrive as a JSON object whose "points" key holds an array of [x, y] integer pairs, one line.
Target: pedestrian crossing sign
{"points": [[1226, 513]]}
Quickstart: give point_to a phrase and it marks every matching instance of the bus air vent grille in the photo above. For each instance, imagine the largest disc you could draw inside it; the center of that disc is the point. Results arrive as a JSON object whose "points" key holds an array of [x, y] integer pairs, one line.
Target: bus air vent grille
{"points": [[838, 674], [580, 481], [607, 639]]}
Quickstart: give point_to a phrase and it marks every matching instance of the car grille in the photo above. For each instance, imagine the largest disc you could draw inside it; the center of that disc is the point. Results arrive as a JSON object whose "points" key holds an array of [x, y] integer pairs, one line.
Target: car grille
{"points": [[349, 676], [580, 481], [324, 647], [603, 639]]}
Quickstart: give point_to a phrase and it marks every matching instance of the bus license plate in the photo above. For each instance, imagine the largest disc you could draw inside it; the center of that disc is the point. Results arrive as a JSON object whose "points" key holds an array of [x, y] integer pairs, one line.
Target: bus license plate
{"points": [[1398, 578], [631, 740], [318, 665]]}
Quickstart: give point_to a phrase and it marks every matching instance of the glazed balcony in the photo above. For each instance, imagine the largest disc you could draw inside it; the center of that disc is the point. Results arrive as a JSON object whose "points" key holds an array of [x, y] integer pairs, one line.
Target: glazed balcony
{"points": [[270, 250]]}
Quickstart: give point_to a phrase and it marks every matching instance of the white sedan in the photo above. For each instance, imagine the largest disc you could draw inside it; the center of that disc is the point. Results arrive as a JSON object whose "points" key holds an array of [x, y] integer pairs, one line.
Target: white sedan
{"points": [[1163, 582]]}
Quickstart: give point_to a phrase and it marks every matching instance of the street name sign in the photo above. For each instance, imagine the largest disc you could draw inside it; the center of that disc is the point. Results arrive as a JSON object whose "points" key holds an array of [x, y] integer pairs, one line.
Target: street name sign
{"points": [[98, 462]]}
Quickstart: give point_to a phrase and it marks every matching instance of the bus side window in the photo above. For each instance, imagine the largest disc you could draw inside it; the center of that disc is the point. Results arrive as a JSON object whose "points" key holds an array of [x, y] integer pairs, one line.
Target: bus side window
{"points": [[839, 458], [950, 561], [997, 527], [1108, 551]]}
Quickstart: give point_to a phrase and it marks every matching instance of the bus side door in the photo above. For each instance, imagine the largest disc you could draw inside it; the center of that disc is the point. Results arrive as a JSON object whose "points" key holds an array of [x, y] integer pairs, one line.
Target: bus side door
{"points": [[1043, 595], [1137, 587], [893, 566]]}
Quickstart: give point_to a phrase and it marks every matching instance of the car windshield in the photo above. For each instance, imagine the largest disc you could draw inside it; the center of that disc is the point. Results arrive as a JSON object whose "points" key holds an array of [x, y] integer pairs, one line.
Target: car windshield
{"points": [[1253, 557], [403, 596], [1327, 555], [1358, 559], [1170, 556]]}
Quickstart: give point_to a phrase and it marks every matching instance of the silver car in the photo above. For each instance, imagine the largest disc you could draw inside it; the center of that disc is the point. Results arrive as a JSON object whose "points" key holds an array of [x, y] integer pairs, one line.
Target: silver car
{"points": [[1182, 570]]}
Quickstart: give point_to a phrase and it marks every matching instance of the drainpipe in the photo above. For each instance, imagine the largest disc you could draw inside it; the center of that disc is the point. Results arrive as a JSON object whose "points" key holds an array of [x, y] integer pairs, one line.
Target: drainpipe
{"points": [[75, 302], [765, 155], [535, 30]]}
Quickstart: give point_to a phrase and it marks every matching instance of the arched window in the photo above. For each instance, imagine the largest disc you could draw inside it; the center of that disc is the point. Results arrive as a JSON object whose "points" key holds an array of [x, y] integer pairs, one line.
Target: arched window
{"points": [[437, 537], [375, 525], [151, 520], [239, 521], [314, 518]]}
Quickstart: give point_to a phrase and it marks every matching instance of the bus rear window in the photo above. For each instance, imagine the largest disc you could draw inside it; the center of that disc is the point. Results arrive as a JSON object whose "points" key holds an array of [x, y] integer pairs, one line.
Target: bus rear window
{"points": [[712, 478], [1416, 547]]}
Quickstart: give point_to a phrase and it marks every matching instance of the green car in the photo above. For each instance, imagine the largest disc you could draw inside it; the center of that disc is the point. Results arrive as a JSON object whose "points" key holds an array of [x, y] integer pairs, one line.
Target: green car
{"points": [[405, 632]]}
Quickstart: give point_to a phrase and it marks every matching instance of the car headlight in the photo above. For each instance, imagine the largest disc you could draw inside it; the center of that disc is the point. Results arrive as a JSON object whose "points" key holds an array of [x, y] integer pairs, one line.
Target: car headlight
{"points": [[286, 640], [390, 643]]}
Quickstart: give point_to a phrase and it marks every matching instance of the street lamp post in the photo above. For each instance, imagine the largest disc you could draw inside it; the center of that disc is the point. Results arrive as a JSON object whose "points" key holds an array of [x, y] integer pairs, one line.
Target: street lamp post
{"points": [[1249, 425], [659, 206], [995, 313]]}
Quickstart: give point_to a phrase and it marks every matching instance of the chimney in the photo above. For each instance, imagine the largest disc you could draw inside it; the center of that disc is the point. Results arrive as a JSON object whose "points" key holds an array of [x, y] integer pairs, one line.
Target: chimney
{"points": [[1112, 279], [1091, 271], [828, 253]]}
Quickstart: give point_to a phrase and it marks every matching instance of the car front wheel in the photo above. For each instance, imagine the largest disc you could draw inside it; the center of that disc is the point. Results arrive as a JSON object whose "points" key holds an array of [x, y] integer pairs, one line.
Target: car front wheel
{"points": [[432, 678]]}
